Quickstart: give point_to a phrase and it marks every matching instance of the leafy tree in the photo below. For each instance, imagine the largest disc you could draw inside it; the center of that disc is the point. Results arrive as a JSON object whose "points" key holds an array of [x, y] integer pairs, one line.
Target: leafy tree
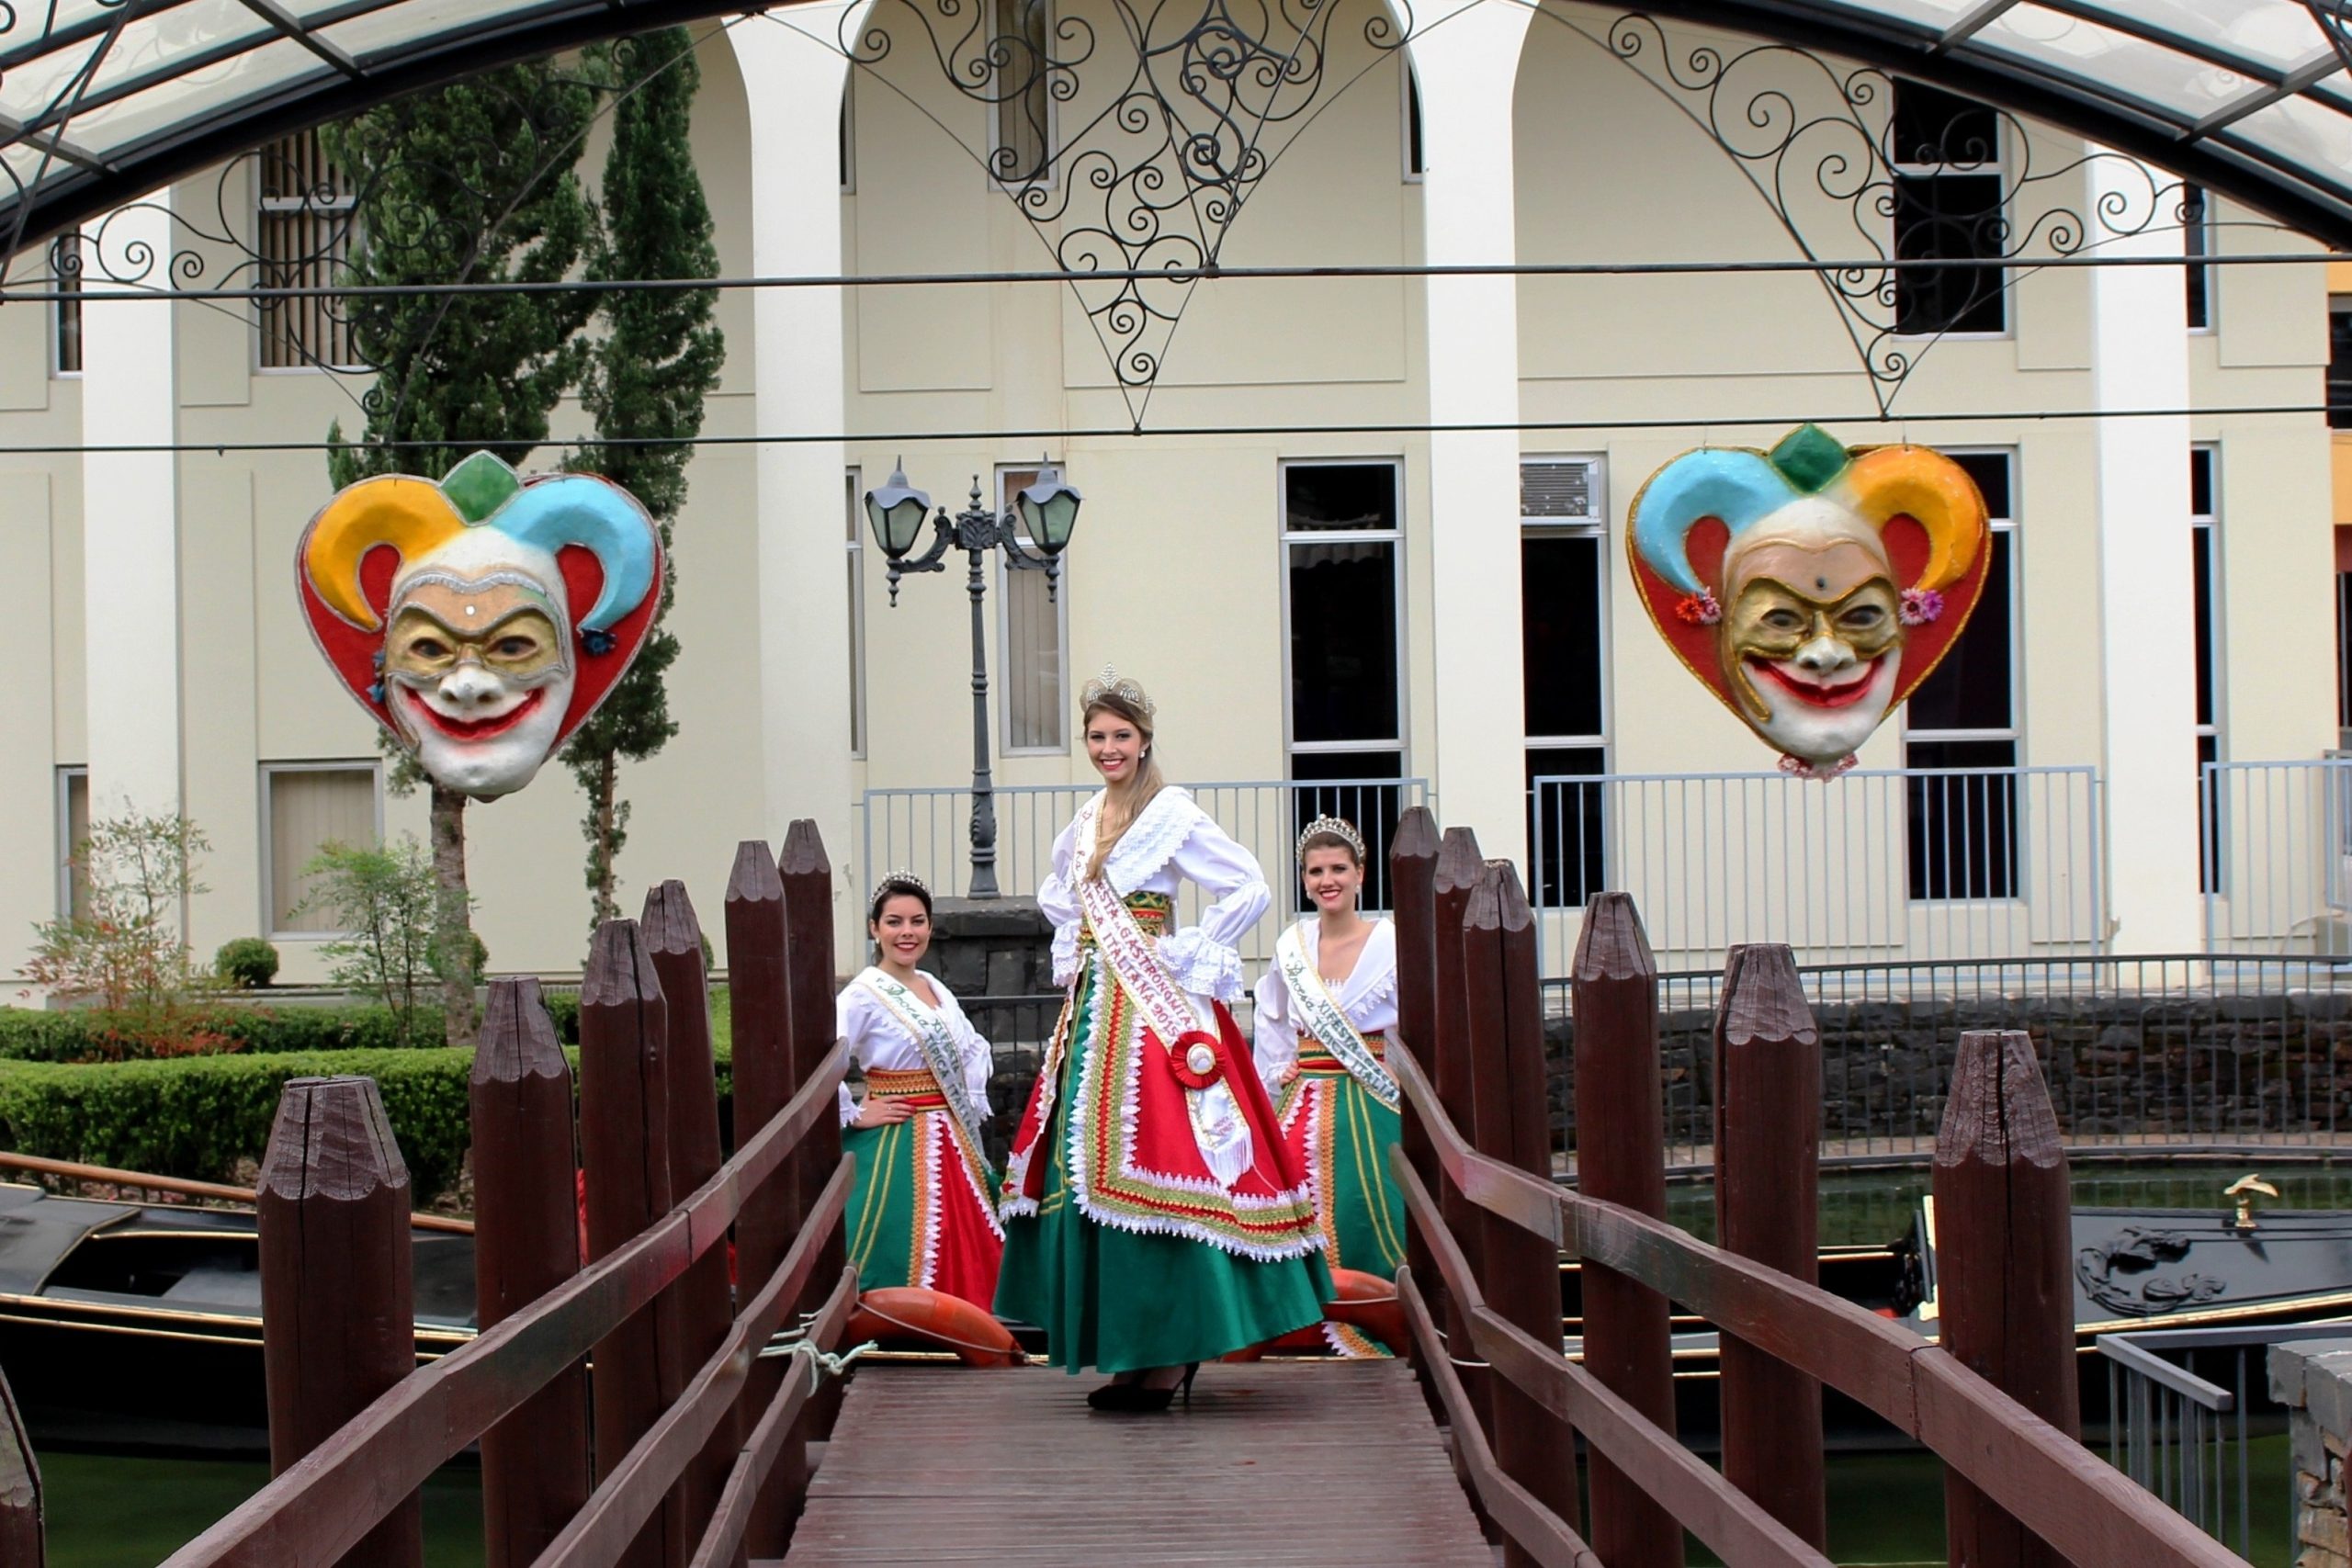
{"points": [[386, 897], [127, 948], [646, 380], [472, 183]]}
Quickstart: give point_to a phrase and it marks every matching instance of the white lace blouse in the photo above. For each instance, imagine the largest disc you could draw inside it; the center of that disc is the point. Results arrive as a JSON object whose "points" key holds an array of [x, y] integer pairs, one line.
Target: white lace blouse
{"points": [[1368, 996], [877, 1038], [1172, 844]]}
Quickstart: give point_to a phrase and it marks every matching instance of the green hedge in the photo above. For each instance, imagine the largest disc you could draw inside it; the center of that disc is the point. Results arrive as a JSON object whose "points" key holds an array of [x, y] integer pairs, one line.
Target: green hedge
{"points": [[93, 1035]]}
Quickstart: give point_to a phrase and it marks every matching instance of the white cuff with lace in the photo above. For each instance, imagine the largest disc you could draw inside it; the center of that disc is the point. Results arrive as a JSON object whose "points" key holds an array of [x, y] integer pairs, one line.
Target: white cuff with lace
{"points": [[1203, 967]]}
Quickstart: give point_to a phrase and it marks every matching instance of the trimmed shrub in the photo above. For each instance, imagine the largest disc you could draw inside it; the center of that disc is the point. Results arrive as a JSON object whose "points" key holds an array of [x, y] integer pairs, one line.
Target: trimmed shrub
{"points": [[92, 1035], [195, 1117], [247, 963]]}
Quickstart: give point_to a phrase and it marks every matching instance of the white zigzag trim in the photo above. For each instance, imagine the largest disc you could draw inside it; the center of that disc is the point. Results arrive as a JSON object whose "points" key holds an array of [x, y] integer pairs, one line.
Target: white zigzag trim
{"points": [[927, 1123], [972, 1171], [1152, 839]]}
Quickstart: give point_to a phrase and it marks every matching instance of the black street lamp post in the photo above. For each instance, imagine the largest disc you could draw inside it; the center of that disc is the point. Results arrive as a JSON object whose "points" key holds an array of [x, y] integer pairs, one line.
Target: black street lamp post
{"points": [[1046, 513]]}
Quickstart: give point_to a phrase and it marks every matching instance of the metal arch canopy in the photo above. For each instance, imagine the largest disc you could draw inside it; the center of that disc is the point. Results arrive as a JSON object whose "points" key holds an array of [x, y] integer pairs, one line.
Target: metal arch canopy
{"points": [[102, 101]]}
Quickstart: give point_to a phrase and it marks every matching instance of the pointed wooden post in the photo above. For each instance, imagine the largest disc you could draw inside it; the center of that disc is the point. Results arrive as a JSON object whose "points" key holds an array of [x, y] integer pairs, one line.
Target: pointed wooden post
{"points": [[1412, 882], [624, 1135], [337, 1291], [1620, 1159], [765, 1078], [1768, 1152], [1510, 1109], [2005, 1284], [705, 1307], [535, 1464], [1448, 1059], [20, 1525], [808, 874]]}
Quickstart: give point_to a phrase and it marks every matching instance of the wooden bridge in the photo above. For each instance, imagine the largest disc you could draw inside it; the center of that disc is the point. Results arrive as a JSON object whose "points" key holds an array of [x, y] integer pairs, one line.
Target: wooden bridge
{"points": [[716, 1431]]}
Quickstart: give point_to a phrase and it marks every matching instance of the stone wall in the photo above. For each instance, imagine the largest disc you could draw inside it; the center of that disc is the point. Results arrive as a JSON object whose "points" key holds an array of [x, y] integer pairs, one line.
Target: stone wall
{"points": [[2312, 1379]]}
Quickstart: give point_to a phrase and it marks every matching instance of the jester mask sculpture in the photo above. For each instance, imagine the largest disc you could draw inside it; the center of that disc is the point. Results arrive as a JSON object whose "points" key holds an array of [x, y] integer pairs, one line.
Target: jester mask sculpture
{"points": [[450, 611], [1812, 587]]}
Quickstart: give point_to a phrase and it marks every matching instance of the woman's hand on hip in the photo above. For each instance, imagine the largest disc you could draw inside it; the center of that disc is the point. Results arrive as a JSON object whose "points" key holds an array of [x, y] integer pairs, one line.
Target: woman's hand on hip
{"points": [[881, 1114]]}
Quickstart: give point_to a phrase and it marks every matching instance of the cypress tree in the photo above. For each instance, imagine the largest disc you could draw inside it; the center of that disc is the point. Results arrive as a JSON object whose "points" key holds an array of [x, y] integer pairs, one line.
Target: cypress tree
{"points": [[472, 183], [646, 378]]}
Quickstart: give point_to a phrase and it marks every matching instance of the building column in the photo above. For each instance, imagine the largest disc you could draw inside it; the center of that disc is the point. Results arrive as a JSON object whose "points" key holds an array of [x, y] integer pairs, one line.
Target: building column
{"points": [[2146, 587], [130, 518], [1466, 63], [794, 75]]}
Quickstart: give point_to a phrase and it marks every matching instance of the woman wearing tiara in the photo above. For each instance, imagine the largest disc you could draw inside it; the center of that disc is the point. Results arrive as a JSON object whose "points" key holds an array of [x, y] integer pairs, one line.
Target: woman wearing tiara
{"points": [[922, 1209], [1324, 1010], [1154, 1217]]}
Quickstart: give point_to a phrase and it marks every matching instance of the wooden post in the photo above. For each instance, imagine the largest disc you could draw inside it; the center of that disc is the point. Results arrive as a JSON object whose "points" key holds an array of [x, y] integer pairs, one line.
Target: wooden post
{"points": [[765, 1078], [1620, 1159], [809, 970], [1412, 882], [21, 1527], [705, 1308], [1448, 1059], [338, 1297], [535, 1464], [1767, 1152], [624, 1135], [2005, 1284], [1511, 1112]]}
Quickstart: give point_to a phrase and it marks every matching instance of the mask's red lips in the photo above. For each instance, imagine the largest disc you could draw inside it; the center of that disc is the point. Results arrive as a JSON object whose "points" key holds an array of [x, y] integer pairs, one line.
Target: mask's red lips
{"points": [[1845, 695], [474, 729]]}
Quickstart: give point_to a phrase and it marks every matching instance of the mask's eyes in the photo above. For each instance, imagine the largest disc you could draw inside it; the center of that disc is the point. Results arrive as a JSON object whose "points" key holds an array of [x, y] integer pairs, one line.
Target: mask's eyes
{"points": [[1784, 620], [513, 647], [429, 647], [1861, 617]]}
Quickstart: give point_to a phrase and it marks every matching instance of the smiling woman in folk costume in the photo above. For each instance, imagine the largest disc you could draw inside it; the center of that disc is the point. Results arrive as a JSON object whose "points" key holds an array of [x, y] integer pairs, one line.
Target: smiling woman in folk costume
{"points": [[923, 1209], [1154, 1218], [1324, 1010]]}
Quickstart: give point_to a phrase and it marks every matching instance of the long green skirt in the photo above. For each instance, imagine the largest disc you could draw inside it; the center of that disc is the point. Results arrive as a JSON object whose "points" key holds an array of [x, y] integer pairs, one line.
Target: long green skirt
{"points": [[1341, 1132], [1120, 1300]]}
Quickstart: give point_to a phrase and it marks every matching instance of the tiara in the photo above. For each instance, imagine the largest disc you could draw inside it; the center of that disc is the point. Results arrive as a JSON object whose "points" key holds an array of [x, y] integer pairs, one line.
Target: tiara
{"points": [[904, 879], [1334, 825], [1111, 684]]}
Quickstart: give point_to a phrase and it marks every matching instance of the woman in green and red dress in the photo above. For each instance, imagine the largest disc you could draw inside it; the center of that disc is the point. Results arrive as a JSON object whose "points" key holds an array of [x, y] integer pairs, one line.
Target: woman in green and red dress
{"points": [[1153, 1217], [922, 1211], [1324, 1011]]}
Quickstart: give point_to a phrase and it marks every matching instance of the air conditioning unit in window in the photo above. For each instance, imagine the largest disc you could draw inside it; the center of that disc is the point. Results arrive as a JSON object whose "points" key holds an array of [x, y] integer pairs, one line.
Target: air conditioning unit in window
{"points": [[1560, 489]]}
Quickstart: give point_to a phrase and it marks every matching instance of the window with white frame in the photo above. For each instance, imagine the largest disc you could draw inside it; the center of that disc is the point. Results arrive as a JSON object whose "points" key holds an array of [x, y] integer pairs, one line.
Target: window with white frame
{"points": [[1035, 626], [1961, 727], [303, 238], [2197, 242], [306, 806], [1022, 150], [1343, 547], [1948, 205], [1564, 638], [65, 318], [856, 558], [73, 827], [2205, 562]]}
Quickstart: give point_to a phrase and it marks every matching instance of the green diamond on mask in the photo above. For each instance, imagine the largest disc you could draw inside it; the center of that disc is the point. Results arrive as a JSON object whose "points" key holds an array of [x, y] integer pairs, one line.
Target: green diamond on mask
{"points": [[1809, 458], [480, 486]]}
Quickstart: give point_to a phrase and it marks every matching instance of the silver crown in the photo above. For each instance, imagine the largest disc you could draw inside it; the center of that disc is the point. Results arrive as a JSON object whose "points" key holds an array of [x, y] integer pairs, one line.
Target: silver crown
{"points": [[904, 879], [1111, 684], [1339, 826]]}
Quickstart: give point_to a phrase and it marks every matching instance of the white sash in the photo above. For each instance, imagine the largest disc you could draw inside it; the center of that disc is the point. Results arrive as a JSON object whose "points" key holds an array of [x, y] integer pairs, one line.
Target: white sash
{"points": [[1219, 1131], [937, 1040], [1329, 1022]]}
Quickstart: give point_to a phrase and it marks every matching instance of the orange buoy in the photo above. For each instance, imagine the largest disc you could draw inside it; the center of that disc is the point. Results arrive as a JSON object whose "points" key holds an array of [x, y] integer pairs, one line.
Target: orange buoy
{"points": [[1358, 1300], [909, 1311]]}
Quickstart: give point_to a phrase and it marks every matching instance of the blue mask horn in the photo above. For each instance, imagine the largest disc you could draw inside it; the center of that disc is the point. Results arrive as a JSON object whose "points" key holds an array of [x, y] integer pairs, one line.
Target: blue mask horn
{"points": [[1739, 487], [599, 516]]}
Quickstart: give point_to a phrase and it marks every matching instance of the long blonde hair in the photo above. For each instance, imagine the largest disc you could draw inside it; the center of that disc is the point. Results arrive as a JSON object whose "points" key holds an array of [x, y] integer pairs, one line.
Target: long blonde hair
{"points": [[1124, 802]]}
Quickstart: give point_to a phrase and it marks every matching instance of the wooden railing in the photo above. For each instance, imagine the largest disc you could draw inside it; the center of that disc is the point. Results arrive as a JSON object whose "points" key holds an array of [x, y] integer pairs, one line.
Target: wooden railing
{"points": [[1489, 1224], [697, 1447]]}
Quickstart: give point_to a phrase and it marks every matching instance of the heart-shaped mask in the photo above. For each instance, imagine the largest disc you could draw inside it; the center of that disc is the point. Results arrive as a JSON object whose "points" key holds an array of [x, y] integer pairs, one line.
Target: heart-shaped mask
{"points": [[1813, 587], [453, 612]]}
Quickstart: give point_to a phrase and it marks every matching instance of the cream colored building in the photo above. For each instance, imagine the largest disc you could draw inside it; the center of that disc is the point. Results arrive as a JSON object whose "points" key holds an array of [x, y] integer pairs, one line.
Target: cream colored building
{"points": [[160, 660]]}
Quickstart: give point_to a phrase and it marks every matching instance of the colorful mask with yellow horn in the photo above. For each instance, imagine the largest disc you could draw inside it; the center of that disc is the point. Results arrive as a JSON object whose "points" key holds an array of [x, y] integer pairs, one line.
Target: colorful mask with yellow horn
{"points": [[1812, 587], [450, 610]]}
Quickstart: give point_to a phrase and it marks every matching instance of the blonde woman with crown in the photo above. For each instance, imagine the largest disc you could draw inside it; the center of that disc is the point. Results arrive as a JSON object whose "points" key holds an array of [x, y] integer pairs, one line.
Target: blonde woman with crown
{"points": [[923, 1208], [1324, 1011], [1154, 1217]]}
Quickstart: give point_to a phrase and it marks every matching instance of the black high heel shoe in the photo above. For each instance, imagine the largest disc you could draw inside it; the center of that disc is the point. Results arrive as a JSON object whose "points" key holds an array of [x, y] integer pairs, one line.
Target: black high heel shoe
{"points": [[1139, 1399]]}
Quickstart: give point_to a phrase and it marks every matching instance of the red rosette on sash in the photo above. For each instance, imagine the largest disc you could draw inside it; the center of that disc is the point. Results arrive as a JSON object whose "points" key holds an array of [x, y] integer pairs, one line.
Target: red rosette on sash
{"points": [[1197, 1058]]}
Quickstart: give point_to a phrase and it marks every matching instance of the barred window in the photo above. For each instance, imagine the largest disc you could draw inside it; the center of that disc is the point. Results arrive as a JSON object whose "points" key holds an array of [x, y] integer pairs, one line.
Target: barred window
{"points": [[1023, 152], [309, 806], [304, 225], [65, 275], [1037, 640], [1948, 199]]}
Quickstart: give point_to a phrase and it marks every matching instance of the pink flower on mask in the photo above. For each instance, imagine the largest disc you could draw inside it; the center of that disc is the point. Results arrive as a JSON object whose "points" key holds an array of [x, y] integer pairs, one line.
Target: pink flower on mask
{"points": [[1920, 605], [1700, 609]]}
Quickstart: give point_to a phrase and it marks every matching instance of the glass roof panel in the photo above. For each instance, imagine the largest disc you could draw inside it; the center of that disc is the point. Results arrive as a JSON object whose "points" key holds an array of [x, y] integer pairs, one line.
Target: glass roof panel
{"points": [[2277, 33], [31, 88], [1935, 14], [397, 27], [160, 108], [2304, 133], [2114, 63], [187, 32]]}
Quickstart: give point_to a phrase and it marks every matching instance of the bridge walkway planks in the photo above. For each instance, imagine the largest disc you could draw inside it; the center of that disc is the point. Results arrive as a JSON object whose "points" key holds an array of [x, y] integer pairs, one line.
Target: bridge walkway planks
{"points": [[1273, 1464]]}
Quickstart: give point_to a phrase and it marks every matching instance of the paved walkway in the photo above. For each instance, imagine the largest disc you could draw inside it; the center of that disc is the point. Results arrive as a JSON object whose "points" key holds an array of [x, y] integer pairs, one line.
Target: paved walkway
{"points": [[1320, 1462]]}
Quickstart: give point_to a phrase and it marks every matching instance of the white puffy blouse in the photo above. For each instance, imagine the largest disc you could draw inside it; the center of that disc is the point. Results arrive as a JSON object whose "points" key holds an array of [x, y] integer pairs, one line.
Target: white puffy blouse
{"points": [[1172, 842], [877, 1038], [1368, 996]]}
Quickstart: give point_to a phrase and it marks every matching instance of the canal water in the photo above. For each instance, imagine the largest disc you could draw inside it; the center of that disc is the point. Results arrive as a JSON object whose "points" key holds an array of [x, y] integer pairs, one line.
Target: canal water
{"points": [[1886, 1509]]}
